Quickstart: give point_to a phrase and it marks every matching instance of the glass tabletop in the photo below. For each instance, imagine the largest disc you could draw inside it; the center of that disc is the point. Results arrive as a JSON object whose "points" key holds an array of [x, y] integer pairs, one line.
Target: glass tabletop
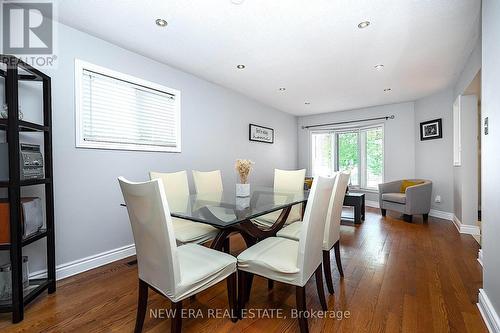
{"points": [[224, 209]]}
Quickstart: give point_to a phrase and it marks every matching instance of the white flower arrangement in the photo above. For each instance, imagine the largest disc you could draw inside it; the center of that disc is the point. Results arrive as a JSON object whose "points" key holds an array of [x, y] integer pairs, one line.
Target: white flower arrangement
{"points": [[243, 167]]}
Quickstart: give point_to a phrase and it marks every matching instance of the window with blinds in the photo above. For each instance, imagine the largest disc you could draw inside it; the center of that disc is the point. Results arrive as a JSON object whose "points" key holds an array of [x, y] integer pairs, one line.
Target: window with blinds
{"points": [[117, 111]]}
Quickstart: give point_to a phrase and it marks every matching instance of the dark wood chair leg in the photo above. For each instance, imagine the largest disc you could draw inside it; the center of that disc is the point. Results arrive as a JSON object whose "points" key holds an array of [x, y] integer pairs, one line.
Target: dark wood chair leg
{"points": [[231, 296], [300, 300], [242, 284], [270, 284], [249, 280], [407, 218], [328, 271], [425, 217], [142, 304], [176, 320], [319, 285], [384, 212], [336, 247], [227, 245]]}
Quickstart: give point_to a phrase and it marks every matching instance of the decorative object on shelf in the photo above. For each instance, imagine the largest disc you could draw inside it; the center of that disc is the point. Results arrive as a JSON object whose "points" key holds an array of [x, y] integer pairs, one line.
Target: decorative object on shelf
{"points": [[6, 279], [260, 133], [432, 129], [31, 161], [243, 167], [31, 218], [5, 112]]}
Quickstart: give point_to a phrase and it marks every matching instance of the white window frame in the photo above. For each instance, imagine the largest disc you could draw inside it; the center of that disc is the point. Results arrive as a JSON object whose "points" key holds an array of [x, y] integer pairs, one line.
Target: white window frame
{"points": [[361, 151], [80, 66]]}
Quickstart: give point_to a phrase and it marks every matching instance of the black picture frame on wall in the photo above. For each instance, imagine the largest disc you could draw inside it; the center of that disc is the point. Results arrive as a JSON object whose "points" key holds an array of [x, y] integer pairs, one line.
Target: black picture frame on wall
{"points": [[259, 133], [432, 129]]}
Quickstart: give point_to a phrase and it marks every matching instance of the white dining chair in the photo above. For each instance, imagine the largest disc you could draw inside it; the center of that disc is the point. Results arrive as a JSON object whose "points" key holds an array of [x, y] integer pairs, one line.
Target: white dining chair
{"points": [[285, 181], [332, 228], [176, 272], [207, 181], [289, 261], [177, 191]]}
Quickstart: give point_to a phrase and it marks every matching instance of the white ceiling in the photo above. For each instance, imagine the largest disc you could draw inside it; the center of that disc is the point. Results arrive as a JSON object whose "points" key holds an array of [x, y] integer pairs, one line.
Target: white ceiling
{"points": [[312, 48]]}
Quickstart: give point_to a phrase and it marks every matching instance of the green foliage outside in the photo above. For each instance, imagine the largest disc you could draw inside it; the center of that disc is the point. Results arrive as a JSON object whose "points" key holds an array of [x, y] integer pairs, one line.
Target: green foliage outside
{"points": [[374, 151], [348, 150]]}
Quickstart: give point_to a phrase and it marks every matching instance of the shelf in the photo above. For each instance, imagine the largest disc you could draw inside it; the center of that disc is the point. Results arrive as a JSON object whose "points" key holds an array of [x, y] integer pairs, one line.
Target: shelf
{"points": [[37, 286], [35, 74], [24, 126], [28, 240], [14, 71], [27, 182]]}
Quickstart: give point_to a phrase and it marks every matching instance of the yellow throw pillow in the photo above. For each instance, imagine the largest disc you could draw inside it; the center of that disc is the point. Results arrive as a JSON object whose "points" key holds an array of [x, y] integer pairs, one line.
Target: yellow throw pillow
{"points": [[408, 183]]}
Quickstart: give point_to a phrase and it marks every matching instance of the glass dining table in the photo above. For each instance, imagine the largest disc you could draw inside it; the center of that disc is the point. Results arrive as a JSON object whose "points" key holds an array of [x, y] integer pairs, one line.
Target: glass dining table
{"points": [[229, 213]]}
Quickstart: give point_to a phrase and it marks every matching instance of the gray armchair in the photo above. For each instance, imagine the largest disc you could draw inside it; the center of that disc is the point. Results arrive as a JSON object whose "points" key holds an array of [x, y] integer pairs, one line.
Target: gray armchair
{"points": [[416, 200]]}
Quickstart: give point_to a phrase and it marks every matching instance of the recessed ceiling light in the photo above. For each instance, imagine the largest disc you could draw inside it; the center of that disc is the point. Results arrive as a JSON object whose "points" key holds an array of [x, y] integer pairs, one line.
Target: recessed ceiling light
{"points": [[387, 89], [240, 66], [379, 67], [161, 22], [307, 103], [363, 24], [282, 89], [237, 2]]}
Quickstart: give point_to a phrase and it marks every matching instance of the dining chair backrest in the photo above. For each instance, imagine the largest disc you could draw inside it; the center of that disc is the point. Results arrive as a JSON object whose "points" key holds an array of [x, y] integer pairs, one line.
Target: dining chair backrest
{"points": [[313, 226], [153, 232], [290, 181], [176, 188], [207, 181], [333, 217]]}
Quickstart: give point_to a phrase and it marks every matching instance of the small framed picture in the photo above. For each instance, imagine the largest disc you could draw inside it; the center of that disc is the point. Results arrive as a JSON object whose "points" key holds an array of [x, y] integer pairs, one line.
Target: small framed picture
{"points": [[430, 130], [260, 134]]}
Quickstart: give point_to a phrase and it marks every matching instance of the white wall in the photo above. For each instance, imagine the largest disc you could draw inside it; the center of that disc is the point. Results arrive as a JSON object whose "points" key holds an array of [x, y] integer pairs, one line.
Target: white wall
{"points": [[399, 161], [490, 107], [434, 158], [466, 175], [89, 219]]}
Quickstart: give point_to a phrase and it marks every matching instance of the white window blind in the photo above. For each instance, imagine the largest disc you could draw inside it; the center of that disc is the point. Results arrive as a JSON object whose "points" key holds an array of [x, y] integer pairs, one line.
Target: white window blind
{"points": [[116, 111]]}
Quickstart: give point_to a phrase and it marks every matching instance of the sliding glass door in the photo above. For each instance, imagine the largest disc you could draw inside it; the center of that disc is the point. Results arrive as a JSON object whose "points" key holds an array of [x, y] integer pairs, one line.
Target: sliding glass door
{"points": [[357, 150]]}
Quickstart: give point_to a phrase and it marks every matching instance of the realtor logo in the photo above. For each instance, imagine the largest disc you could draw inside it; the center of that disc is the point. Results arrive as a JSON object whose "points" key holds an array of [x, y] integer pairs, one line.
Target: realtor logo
{"points": [[27, 28]]}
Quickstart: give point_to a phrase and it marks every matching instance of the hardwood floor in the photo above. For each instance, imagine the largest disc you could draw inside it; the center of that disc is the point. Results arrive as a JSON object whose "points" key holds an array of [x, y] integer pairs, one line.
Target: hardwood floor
{"points": [[399, 277]]}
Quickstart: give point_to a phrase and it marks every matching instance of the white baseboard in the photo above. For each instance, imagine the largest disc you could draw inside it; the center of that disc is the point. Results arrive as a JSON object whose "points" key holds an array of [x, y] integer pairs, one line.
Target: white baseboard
{"points": [[480, 256], [434, 213], [371, 203], [441, 215], [488, 312], [88, 263], [466, 228]]}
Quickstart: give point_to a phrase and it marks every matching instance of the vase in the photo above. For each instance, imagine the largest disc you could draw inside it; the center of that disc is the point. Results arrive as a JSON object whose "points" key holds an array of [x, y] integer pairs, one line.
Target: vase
{"points": [[242, 203], [242, 190]]}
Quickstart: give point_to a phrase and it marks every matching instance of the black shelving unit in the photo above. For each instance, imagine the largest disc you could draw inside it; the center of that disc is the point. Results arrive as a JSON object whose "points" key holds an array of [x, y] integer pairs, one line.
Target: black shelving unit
{"points": [[17, 70]]}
